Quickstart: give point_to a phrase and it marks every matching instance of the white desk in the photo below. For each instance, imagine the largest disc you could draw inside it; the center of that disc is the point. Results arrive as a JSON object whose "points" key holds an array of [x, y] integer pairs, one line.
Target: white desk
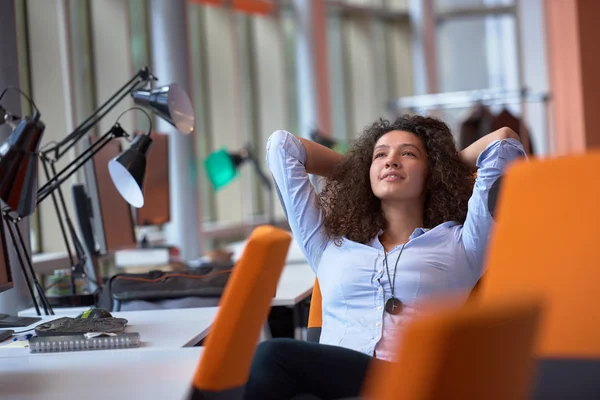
{"points": [[173, 328], [295, 255], [58, 312], [158, 329], [105, 374], [295, 284]]}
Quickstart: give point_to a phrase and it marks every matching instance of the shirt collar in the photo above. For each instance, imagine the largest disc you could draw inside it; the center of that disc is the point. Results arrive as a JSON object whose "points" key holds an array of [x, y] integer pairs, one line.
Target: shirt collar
{"points": [[416, 233]]}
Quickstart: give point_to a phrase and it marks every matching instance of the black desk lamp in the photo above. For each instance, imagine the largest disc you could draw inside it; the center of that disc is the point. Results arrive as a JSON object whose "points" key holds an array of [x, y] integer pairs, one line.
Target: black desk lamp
{"points": [[127, 170], [18, 185], [18, 165], [222, 168]]}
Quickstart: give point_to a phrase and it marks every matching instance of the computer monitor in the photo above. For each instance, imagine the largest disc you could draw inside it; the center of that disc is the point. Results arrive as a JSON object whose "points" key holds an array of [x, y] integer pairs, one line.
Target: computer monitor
{"points": [[115, 230], [6, 281], [157, 205]]}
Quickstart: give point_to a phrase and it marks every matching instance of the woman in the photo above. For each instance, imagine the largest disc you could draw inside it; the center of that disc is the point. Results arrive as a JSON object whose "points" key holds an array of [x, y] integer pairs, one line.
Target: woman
{"points": [[389, 229]]}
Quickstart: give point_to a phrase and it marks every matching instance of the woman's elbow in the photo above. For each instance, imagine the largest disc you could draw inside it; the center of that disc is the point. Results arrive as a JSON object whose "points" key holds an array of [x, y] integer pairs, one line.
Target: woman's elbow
{"points": [[506, 133], [277, 138], [275, 141]]}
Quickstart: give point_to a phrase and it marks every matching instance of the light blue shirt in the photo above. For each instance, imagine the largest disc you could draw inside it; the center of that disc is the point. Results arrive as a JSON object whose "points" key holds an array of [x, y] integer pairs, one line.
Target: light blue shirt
{"points": [[353, 280]]}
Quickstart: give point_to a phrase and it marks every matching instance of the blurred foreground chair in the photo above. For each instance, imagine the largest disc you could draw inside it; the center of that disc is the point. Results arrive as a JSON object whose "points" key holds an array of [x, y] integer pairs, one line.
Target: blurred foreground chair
{"points": [[225, 364], [547, 240], [468, 353]]}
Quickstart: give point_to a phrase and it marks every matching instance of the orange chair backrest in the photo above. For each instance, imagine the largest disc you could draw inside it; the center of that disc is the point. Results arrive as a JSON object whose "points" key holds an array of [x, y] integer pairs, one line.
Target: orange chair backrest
{"points": [[468, 353], [547, 239], [244, 307], [315, 313]]}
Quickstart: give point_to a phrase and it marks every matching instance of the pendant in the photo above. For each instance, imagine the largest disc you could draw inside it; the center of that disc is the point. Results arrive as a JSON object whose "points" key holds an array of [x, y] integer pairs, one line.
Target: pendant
{"points": [[393, 306]]}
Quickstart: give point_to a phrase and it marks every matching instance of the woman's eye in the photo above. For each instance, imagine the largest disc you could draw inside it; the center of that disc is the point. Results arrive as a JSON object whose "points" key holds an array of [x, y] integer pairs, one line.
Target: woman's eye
{"points": [[378, 155], [409, 153]]}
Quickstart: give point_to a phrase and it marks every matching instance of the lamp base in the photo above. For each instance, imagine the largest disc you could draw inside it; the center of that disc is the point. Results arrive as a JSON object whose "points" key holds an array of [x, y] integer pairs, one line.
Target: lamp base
{"points": [[72, 300]]}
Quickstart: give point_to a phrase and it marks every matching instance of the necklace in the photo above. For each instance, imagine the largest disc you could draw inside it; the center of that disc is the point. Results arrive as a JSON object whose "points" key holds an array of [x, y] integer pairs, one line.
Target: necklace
{"points": [[393, 305]]}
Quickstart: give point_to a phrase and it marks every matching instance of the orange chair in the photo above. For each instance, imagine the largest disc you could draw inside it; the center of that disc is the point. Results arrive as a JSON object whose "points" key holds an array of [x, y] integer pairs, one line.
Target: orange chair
{"points": [[546, 239], [225, 364], [315, 314], [469, 353]]}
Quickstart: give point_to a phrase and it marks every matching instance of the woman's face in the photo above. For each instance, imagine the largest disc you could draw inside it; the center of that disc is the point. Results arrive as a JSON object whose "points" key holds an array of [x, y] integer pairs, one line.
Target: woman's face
{"points": [[399, 167]]}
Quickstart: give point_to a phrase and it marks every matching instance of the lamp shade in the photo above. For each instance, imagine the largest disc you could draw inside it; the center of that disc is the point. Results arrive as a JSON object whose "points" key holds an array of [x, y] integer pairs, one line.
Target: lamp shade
{"points": [[19, 165], [171, 103], [127, 170], [221, 168]]}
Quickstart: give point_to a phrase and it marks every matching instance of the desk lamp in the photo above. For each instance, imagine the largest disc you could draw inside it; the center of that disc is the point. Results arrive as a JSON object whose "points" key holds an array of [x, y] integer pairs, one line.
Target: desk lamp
{"points": [[18, 165], [171, 103], [222, 168], [127, 169], [18, 185]]}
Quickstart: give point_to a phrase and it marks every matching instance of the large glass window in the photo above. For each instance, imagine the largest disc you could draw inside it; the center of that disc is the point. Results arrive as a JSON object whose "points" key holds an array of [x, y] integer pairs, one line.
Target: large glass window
{"points": [[369, 62], [475, 45], [244, 88]]}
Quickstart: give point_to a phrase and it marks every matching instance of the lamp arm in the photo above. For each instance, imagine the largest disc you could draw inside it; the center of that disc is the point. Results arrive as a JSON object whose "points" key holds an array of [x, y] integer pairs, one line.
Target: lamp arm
{"points": [[266, 181], [70, 169], [143, 76], [79, 259], [25, 264]]}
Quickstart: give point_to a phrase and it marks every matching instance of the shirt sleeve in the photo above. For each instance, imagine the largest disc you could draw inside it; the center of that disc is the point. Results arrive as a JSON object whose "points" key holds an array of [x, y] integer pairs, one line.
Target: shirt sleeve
{"points": [[286, 159], [491, 164]]}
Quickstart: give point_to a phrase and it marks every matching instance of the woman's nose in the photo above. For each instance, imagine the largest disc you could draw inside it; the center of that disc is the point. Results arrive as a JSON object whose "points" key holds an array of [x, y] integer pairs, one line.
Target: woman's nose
{"points": [[391, 163]]}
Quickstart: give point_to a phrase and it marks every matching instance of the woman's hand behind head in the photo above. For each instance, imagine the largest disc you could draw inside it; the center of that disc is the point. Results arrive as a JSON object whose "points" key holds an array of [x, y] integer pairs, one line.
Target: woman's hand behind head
{"points": [[505, 133], [470, 154]]}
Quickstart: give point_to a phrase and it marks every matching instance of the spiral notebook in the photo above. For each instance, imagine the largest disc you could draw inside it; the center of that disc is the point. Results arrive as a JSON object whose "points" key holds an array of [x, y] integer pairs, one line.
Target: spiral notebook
{"points": [[54, 344]]}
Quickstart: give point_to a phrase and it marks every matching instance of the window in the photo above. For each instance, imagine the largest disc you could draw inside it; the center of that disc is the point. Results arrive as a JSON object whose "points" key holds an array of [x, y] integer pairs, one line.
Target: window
{"points": [[369, 62]]}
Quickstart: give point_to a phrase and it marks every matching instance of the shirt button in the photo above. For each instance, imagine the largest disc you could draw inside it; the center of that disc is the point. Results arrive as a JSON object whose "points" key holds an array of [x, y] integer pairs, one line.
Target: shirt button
{"points": [[378, 324]]}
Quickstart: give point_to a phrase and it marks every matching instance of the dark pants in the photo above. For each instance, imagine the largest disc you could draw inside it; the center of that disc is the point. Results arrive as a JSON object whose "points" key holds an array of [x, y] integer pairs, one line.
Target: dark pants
{"points": [[284, 368]]}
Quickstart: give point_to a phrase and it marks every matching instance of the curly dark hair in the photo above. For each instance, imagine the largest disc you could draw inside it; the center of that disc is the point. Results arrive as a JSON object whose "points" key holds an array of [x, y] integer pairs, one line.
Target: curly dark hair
{"points": [[354, 212]]}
